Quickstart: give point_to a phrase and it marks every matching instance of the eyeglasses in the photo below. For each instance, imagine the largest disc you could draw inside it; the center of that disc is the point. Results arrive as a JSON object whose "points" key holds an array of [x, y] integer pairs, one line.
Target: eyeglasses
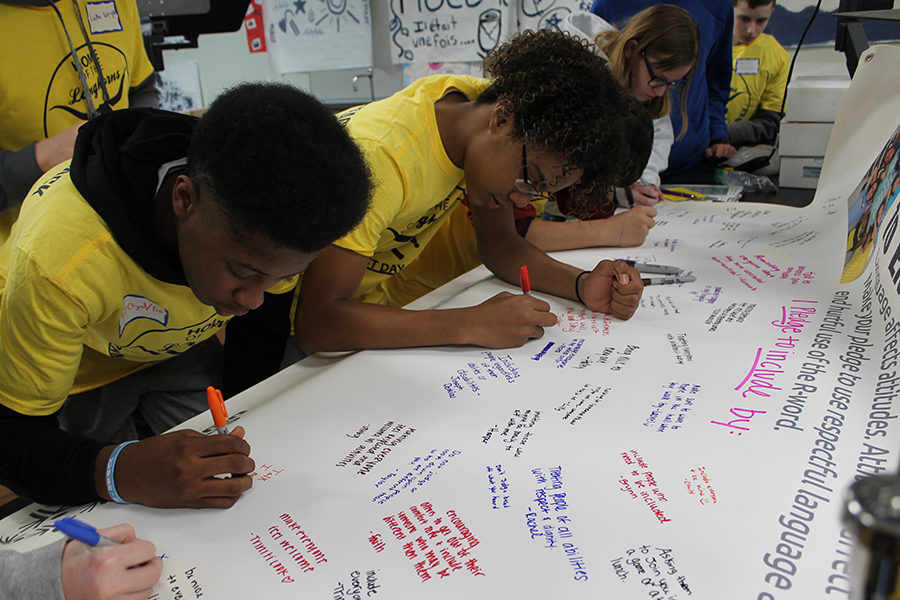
{"points": [[525, 185], [657, 81]]}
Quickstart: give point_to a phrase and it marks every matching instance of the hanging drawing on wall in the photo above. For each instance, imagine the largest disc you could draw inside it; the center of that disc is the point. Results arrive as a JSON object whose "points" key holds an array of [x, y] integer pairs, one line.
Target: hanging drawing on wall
{"points": [[317, 35], [444, 31], [180, 87], [548, 14]]}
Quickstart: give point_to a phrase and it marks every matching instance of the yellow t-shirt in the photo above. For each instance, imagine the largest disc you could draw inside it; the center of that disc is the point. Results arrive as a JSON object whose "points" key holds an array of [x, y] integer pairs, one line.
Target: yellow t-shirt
{"points": [[76, 312], [452, 251], [758, 79], [40, 91], [416, 184]]}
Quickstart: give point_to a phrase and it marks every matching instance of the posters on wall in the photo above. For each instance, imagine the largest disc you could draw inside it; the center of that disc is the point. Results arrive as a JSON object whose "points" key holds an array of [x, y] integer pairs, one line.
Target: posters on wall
{"points": [[313, 35], [180, 88], [448, 31], [437, 31], [316, 35]]}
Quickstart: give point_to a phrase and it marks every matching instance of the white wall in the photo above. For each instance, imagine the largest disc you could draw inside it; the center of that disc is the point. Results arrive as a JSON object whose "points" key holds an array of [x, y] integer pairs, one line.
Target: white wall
{"points": [[224, 60]]}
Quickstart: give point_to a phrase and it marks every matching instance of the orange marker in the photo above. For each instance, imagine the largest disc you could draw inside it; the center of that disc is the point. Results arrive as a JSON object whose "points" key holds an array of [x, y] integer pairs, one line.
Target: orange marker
{"points": [[217, 408], [524, 279]]}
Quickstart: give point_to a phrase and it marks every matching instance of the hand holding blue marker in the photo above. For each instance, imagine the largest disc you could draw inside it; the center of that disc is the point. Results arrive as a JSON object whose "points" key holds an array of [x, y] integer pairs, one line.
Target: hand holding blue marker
{"points": [[81, 531]]}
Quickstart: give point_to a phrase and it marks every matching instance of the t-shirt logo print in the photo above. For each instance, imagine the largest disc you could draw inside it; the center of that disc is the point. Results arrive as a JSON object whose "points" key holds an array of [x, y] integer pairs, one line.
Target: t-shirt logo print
{"points": [[138, 307]]}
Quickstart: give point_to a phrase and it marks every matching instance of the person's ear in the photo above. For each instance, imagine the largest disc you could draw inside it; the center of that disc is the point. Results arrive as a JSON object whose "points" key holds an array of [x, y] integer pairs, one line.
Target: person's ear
{"points": [[184, 196], [629, 48], [502, 116]]}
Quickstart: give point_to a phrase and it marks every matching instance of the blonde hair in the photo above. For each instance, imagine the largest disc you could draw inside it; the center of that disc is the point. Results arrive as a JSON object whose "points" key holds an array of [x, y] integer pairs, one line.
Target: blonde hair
{"points": [[669, 36]]}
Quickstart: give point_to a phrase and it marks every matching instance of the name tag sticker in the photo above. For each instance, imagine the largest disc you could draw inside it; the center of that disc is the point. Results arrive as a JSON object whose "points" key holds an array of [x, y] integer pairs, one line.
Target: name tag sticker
{"points": [[103, 17], [747, 66]]}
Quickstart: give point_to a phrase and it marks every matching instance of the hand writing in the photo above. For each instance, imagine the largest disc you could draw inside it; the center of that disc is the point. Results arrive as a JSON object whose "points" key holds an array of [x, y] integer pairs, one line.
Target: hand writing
{"points": [[178, 469]]}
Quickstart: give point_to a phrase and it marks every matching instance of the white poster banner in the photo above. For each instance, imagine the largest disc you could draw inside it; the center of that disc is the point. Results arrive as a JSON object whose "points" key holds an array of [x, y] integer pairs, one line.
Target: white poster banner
{"points": [[448, 30], [317, 35]]}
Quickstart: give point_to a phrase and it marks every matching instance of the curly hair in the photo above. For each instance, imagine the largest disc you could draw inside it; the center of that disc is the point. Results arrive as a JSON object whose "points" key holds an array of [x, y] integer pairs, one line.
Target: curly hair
{"points": [[565, 100], [278, 163]]}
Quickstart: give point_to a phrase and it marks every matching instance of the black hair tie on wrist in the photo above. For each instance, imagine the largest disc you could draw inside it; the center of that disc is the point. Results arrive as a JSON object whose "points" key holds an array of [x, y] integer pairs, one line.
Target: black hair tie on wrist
{"points": [[577, 279]]}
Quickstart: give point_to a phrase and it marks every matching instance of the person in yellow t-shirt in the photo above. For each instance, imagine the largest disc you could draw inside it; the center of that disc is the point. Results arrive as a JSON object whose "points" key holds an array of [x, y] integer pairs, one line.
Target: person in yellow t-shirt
{"points": [[134, 254], [548, 118], [45, 95], [759, 77]]}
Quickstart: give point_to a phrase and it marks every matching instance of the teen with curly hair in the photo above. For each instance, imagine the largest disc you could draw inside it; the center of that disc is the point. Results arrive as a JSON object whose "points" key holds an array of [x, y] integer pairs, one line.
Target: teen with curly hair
{"points": [[550, 117], [134, 254], [654, 52]]}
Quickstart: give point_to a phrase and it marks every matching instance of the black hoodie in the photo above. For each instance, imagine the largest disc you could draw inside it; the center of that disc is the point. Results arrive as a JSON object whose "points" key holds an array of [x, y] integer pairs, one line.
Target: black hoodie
{"points": [[115, 166]]}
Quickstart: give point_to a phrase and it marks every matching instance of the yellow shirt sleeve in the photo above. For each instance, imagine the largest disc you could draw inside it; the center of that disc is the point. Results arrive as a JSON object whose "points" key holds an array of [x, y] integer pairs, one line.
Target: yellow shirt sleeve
{"points": [[41, 340], [386, 203]]}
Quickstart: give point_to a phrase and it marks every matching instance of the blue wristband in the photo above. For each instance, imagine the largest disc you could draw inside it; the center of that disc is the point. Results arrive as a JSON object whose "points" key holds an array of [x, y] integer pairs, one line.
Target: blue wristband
{"points": [[111, 474]]}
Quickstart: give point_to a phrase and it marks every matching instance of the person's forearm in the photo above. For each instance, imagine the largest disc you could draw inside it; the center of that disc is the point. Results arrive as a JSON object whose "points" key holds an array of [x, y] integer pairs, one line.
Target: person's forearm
{"points": [[33, 574], [547, 274], [761, 129], [18, 172], [44, 463], [552, 236], [504, 252], [352, 325], [146, 94]]}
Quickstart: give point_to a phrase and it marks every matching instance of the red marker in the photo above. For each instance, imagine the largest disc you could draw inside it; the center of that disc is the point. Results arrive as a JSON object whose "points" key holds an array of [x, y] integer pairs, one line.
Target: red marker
{"points": [[217, 408], [523, 277]]}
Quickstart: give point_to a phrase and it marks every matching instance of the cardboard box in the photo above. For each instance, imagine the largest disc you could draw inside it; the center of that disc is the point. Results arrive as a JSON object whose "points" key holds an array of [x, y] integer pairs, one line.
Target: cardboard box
{"points": [[800, 171], [815, 99], [804, 139]]}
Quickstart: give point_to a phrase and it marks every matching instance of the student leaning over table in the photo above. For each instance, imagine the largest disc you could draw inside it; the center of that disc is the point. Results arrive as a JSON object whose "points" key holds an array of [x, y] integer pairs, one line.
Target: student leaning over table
{"points": [[454, 248], [692, 157], [550, 117], [128, 256], [655, 51]]}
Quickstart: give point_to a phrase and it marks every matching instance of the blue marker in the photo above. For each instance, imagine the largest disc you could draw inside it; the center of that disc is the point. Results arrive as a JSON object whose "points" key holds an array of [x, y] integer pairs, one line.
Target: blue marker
{"points": [[81, 531]]}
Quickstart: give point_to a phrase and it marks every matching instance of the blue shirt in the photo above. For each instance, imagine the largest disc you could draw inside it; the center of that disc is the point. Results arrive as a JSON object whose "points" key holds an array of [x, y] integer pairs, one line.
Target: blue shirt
{"points": [[710, 82]]}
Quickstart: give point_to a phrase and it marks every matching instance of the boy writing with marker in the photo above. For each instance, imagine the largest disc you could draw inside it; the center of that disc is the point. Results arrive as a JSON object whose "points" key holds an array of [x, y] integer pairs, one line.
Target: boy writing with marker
{"points": [[159, 229], [760, 76], [549, 118]]}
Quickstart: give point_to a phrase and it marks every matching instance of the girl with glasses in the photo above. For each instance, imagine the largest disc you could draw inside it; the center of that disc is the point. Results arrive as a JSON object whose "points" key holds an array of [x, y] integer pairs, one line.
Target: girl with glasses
{"points": [[656, 51], [704, 141]]}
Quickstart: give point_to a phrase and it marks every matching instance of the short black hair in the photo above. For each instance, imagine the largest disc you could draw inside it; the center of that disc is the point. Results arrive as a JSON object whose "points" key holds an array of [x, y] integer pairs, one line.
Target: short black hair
{"points": [[278, 163], [566, 100], [753, 3]]}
